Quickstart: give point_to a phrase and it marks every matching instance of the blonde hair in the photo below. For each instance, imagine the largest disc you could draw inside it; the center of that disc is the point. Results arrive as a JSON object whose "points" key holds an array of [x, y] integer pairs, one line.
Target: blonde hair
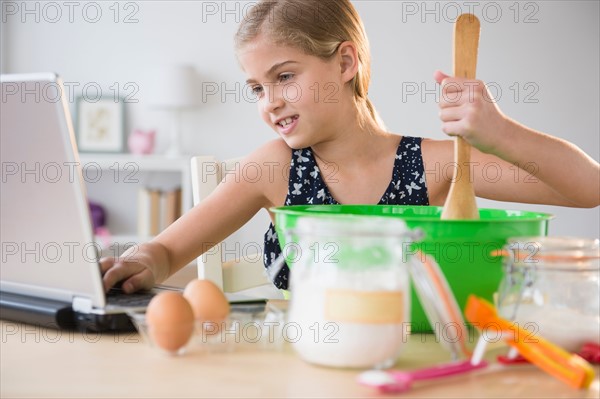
{"points": [[316, 27]]}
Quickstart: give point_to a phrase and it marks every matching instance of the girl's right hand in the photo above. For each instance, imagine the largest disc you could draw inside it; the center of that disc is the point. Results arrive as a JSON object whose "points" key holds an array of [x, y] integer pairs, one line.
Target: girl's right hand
{"points": [[137, 269], [468, 110]]}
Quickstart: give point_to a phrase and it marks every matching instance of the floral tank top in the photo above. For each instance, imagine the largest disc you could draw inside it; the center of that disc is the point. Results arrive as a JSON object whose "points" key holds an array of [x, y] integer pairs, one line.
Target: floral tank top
{"points": [[307, 187]]}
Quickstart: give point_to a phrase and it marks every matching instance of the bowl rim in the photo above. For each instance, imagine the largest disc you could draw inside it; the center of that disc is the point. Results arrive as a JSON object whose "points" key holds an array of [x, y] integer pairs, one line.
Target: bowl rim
{"points": [[300, 210]]}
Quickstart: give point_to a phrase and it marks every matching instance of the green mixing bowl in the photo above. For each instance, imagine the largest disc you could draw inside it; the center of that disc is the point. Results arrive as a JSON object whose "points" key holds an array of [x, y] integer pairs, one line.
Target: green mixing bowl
{"points": [[462, 248]]}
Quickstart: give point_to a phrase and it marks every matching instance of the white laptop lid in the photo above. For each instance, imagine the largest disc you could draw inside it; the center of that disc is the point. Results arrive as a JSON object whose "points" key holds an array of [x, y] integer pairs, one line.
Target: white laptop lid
{"points": [[47, 249]]}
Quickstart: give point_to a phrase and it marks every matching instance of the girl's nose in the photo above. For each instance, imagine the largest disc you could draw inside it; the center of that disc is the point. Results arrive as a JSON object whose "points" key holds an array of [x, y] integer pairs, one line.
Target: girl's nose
{"points": [[273, 99]]}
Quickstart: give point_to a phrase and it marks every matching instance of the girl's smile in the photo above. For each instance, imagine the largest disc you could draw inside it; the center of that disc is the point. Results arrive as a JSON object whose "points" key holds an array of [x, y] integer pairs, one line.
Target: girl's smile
{"points": [[286, 125]]}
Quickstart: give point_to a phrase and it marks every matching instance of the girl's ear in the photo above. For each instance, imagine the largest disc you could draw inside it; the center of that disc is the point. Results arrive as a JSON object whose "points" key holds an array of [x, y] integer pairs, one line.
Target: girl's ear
{"points": [[348, 56]]}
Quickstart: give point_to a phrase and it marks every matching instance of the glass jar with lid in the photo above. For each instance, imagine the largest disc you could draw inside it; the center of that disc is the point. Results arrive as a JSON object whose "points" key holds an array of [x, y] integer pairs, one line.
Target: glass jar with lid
{"points": [[350, 290], [551, 287]]}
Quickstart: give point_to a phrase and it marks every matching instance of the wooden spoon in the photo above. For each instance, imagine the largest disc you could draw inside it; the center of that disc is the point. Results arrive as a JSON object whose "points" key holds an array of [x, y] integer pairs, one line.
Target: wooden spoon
{"points": [[460, 203]]}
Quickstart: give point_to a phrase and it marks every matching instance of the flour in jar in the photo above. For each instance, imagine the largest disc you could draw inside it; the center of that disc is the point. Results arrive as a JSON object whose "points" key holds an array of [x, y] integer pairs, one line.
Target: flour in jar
{"points": [[332, 341], [567, 328]]}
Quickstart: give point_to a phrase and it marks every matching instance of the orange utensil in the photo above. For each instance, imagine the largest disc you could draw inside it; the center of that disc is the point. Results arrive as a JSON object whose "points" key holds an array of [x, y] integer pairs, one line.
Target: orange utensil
{"points": [[567, 367]]}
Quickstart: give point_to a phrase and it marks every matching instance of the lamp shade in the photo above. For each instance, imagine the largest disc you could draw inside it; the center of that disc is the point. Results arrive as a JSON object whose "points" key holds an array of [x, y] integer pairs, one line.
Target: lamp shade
{"points": [[172, 86]]}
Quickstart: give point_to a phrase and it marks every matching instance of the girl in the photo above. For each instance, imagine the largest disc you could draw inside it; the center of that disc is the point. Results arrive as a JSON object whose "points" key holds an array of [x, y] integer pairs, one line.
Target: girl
{"points": [[308, 62]]}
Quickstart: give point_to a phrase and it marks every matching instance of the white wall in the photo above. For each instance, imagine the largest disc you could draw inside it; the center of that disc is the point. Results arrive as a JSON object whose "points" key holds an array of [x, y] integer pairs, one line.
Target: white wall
{"points": [[549, 51]]}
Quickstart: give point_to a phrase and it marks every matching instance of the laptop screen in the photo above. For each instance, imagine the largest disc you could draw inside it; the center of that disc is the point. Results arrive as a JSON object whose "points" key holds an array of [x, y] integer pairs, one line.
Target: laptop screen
{"points": [[48, 248]]}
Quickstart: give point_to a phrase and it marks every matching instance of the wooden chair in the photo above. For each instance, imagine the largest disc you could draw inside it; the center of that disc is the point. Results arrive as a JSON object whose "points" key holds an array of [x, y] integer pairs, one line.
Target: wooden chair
{"points": [[244, 274]]}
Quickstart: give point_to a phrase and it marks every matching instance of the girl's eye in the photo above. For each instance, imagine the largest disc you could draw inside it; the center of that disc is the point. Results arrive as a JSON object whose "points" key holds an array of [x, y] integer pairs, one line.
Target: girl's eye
{"points": [[257, 90], [285, 77]]}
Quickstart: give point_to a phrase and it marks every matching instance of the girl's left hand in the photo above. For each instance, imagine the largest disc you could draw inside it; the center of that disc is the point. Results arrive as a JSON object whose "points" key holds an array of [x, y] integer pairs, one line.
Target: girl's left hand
{"points": [[468, 110]]}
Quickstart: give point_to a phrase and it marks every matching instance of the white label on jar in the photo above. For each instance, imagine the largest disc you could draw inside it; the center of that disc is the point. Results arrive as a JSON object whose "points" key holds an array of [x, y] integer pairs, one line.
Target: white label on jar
{"points": [[373, 307]]}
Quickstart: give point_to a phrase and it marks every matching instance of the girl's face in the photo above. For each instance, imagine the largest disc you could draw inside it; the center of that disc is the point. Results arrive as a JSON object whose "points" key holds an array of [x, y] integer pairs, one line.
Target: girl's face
{"points": [[300, 96]]}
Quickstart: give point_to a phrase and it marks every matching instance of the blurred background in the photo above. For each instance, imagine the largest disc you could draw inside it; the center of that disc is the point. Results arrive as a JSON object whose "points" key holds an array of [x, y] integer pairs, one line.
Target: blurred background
{"points": [[540, 58]]}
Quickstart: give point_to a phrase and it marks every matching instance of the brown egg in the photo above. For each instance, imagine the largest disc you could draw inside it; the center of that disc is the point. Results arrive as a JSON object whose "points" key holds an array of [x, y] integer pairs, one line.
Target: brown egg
{"points": [[207, 300], [170, 320]]}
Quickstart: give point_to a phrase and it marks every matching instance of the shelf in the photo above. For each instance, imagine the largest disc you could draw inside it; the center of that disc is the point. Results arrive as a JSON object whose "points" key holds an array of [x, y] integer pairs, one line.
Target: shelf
{"points": [[141, 162], [117, 187], [118, 243], [130, 238]]}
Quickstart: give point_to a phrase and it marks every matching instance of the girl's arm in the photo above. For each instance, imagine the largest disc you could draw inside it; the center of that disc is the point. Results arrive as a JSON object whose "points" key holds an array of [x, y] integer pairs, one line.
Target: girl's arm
{"points": [[568, 175], [512, 162], [493, 178], [234, 202]]}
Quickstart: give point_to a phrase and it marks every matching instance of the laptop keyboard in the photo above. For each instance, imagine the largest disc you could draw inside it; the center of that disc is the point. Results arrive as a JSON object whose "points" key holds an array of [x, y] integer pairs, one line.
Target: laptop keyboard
{"points": [[117, 297]]}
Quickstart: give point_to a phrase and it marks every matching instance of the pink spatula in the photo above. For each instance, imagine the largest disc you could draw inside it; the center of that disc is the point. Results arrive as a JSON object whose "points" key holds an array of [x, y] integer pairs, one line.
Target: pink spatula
{"points": [[401, 381]]}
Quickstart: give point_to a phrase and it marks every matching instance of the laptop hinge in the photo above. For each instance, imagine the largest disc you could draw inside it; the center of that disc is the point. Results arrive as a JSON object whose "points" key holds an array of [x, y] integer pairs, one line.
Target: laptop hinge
{"points": [[83, 305]]}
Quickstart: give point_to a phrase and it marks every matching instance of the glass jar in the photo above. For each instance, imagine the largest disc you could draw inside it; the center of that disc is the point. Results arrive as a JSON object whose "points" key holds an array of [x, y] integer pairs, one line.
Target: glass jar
{"points": [[350, 297], [551, 287]]}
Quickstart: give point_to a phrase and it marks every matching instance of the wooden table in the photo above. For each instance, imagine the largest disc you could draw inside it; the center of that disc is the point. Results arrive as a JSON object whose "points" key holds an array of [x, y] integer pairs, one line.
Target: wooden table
{"points": [[37, 362]]}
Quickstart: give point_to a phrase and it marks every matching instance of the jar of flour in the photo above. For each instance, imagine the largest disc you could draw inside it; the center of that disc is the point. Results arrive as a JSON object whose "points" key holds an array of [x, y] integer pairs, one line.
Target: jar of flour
{"points": [[551, 287], [350, 296]]}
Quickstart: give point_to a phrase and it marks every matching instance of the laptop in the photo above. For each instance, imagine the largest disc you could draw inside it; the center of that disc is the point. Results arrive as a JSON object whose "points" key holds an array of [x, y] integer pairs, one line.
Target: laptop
{"points": [[49, 272]]}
